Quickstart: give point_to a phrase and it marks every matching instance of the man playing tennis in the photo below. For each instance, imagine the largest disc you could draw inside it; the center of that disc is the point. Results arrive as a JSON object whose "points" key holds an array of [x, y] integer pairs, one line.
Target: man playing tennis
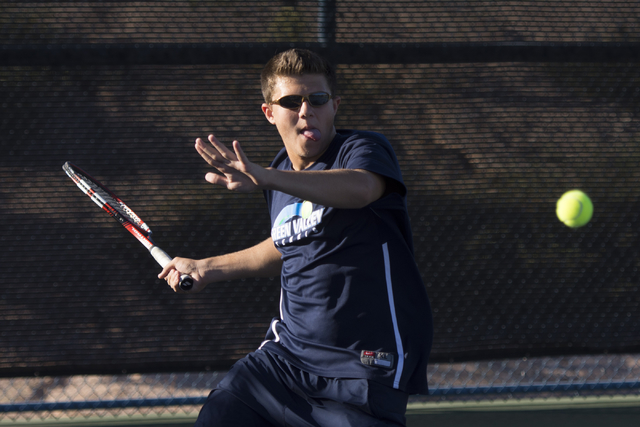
{"points": [[355, 330]]}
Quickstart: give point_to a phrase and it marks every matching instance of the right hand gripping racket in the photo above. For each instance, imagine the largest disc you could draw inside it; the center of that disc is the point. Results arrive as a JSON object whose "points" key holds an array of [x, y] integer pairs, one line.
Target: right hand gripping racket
{"points": [[115, 207]]}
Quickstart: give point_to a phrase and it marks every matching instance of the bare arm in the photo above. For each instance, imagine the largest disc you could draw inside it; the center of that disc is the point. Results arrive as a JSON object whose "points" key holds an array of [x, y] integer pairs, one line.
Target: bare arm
{"points": [[346, 188], [261, 260], [342, 188]]}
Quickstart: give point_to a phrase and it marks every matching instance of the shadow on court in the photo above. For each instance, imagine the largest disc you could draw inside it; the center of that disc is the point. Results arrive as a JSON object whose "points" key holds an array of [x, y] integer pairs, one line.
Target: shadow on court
{"points": [[600, 417], [618, 417]]}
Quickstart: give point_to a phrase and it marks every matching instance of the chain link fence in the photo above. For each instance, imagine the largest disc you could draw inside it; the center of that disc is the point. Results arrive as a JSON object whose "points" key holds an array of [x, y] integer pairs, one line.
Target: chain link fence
{"points": [[173, 395]]}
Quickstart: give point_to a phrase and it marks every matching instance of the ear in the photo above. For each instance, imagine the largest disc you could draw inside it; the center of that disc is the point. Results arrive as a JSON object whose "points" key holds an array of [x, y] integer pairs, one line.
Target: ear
{"points": [[336, 101], [268, 113]]}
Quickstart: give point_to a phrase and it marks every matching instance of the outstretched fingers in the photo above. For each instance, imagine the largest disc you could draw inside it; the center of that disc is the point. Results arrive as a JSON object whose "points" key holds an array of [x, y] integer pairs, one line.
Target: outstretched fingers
{"points": [[216, 154], [242, 158], [222, 150], [235, 171], [214, 178], [209, 152]]}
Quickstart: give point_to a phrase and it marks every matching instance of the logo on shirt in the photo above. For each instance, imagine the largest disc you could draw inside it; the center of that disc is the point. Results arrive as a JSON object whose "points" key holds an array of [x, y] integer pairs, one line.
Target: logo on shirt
{"points": [[378, 358], [295, 222]]}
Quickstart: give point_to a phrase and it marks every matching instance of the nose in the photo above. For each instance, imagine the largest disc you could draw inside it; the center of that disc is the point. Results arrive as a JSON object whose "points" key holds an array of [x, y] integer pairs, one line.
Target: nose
{"points": [[305, 108]]}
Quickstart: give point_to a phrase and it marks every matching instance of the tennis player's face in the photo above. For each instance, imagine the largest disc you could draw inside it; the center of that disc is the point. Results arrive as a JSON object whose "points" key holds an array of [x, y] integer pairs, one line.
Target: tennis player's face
{"points": [[306, 131]]}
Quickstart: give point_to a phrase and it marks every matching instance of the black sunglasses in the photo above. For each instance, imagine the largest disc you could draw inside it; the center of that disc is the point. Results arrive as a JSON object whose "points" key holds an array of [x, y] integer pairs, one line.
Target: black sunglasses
{"points": [[293, 102]]}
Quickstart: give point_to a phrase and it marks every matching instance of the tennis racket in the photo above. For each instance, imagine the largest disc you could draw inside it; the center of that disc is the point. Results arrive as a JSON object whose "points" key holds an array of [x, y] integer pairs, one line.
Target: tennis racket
{"points": [[115, 207]]}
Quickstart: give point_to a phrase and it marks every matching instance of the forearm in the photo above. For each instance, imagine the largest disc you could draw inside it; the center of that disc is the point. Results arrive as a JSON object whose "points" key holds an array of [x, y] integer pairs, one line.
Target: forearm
{"points": [[261, 260], [342, 188], [345, 189]]}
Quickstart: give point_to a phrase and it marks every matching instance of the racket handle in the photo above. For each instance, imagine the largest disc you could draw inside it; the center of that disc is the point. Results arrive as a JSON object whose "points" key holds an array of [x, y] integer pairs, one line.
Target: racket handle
{"points": [[186, 281]]}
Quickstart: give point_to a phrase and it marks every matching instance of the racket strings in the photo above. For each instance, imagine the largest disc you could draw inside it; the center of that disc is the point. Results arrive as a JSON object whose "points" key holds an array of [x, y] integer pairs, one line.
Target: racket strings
{"points": [[126, 212], [107, 198]]}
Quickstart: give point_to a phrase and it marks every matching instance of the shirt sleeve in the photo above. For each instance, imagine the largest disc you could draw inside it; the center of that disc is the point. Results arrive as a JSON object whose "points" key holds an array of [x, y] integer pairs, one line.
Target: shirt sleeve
{"points": [[372, 152]]}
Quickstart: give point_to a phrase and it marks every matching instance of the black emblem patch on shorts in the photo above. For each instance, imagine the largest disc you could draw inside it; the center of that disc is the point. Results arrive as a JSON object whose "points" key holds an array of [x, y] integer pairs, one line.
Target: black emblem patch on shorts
{"points": [[377, 358]]}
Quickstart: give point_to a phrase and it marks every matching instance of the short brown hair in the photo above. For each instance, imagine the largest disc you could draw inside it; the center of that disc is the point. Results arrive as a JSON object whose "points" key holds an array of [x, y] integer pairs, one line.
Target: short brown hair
{"points": [[295, 62]]}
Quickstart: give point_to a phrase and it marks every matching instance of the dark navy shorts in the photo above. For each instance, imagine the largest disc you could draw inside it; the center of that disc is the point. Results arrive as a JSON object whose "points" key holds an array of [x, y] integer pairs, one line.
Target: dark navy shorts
{"points": [[263, 389]]}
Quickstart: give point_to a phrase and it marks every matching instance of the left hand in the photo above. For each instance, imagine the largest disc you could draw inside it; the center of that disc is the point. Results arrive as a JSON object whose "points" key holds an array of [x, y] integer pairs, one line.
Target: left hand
{"points": [[237, 173]]}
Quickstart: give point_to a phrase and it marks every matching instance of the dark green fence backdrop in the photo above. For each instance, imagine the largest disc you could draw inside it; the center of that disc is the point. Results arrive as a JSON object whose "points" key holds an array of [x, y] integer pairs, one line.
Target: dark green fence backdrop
{"points": [[494, 109]]}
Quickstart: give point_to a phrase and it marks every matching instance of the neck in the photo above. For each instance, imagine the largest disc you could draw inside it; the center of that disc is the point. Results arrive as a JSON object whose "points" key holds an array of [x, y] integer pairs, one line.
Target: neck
{"points": [[303, 163]]}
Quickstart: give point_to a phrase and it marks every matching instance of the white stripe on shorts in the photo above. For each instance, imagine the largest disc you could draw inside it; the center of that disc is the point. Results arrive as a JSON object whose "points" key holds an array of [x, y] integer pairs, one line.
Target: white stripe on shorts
{"points": [[387, 270]]}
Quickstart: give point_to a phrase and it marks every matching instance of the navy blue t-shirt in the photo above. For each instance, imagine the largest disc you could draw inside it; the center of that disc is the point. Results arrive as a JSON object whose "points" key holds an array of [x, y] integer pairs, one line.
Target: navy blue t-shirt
{"points": [[352, 303]]}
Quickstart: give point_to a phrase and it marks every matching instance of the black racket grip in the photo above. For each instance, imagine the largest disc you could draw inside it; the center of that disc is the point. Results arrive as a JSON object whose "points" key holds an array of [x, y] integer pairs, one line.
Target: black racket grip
{"points": [[186, 282]]}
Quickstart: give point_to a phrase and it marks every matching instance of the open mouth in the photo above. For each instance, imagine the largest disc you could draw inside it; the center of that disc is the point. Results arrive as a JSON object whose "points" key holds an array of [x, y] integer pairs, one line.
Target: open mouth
{"points": [[312, 134]]}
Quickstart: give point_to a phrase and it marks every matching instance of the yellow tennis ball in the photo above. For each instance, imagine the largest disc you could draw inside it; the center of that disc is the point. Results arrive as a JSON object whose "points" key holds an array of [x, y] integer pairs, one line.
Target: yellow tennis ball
{"points": [[574, 208]]}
